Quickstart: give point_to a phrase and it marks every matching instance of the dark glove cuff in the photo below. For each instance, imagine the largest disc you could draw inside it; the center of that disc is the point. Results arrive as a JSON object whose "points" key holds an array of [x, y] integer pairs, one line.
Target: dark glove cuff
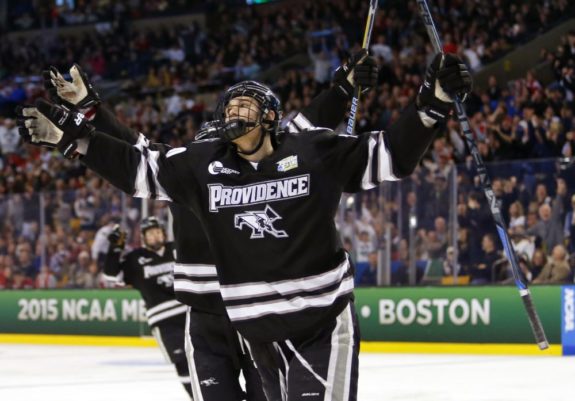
{"points": [[341, 83]]}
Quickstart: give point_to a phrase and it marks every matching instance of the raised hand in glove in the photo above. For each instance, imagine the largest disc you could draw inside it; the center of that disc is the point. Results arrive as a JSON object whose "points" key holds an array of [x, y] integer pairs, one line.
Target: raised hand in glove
{"points": [[35, 128], [70, 126], [117, 239], [446, 77], [361, 70], [76, 94]]}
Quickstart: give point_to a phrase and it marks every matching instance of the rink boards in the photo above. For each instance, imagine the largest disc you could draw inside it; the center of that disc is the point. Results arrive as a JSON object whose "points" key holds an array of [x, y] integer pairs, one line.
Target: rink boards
{"points": [[474, 320]]}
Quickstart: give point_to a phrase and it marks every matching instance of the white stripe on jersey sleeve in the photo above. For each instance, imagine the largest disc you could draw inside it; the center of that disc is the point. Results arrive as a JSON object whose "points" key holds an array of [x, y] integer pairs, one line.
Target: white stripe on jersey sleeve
{"points": [[141, 184], [148, 162], [198, 270], [153, 156], [162, 306], [377, 154], [167, 314], [196, 287]]}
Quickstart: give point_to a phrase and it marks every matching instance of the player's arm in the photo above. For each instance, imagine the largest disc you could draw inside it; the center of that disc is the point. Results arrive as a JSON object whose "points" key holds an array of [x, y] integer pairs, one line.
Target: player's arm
{"points": [[80, 94], [363, 162], [113, 267], [328, 108], [140, 170]]}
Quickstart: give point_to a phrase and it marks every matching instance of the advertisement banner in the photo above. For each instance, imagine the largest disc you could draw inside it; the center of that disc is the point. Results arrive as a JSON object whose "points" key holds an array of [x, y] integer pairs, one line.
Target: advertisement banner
{"points": [[455, 314], [568, 319], [74, 312], [426, 314]]}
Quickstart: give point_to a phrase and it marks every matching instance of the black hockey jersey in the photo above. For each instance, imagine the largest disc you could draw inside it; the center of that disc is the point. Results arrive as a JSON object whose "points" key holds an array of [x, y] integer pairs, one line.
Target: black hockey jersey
{"points": [[195, 276], [152, 275], [282, 270]]}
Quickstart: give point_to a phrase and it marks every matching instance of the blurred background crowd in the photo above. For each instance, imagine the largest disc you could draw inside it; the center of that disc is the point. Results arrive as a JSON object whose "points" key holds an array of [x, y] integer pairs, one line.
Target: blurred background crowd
{"points": [[162, 73]]}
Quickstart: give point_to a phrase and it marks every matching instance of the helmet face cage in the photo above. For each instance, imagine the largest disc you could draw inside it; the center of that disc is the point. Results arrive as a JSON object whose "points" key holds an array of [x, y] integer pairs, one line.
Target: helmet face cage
{"points": [[254, 115]]}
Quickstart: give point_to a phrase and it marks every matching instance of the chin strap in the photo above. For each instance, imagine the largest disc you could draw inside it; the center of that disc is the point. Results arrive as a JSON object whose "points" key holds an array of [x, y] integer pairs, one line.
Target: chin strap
{"points": [[258, 146]]}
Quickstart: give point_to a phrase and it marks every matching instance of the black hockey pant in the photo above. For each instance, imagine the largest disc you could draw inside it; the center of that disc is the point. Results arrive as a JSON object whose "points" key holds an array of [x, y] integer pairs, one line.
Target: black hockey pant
{"points": [[170, 335], [216, 356], [323, 366]]}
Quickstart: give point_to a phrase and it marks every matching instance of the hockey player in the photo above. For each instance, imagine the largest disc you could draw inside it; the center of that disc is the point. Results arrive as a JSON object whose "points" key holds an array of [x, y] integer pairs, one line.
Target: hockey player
{"points": [[149, 269], [267, 200], [216, 352]]}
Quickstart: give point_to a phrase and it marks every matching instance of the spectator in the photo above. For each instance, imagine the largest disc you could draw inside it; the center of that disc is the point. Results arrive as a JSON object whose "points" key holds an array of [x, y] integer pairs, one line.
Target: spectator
{"points": [[450, 264], [569, 227], [25, 263], [548, 229], [516, 216], [538, 262], [5, 277], [369, 275], [437, 239], [100, 245], [363, 248], [46, 279], [87, 275], [483, 272], [9, 138], [557, 270], [20, 281]]}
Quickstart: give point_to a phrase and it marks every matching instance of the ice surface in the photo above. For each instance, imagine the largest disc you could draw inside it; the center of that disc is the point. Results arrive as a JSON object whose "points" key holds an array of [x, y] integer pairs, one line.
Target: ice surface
{"points": [[66, 373]]}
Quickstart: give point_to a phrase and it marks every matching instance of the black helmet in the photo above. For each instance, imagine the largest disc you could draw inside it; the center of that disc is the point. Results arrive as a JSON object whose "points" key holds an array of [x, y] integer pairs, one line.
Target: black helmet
{"points": [[147, 224], [267, 100], [150, 222]]}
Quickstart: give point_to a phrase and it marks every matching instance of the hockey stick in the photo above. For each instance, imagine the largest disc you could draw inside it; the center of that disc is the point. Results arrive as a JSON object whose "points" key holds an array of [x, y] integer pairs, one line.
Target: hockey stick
{"points": [[487, 189], [365, 45]]}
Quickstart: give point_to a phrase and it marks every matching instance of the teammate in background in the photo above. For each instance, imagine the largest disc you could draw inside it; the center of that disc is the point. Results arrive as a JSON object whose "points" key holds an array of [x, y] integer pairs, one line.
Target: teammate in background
{"points": [[216, 352], [149, 270], [284, 277]]}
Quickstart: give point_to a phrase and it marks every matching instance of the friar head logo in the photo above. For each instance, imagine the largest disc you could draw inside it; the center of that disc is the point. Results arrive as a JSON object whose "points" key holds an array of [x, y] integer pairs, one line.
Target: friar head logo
{"points": [[260, 221]]}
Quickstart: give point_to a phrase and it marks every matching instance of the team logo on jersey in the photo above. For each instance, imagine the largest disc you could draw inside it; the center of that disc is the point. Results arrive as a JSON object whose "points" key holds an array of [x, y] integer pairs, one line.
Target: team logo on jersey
{"points": [[209, 382], [158, 270], [167, 280], [261, 222], [142, 260], [289, 163], [217, 167], [269, 191]]}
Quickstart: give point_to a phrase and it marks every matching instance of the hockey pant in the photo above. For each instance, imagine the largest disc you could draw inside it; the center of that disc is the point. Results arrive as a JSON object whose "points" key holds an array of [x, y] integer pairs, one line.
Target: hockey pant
{"points": [[170, 335], [322, 366], [216, 356]]}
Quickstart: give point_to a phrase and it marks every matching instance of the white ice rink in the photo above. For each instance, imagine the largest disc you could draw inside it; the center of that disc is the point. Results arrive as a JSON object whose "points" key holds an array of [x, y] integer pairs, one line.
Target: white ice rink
{"points": [[65, 373]]}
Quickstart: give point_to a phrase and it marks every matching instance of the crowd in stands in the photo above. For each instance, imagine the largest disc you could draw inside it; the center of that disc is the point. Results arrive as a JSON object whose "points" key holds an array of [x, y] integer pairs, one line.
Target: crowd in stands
{"points": [[29, 14], [521, 128]]}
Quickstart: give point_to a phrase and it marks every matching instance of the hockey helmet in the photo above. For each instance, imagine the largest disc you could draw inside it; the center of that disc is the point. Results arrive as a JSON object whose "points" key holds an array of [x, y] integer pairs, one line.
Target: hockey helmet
{"points": [[149, 223], [267, 101]]}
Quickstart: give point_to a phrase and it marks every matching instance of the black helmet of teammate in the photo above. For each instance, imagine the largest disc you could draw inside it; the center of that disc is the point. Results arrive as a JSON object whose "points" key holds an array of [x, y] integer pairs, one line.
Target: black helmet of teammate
{"points": [[267, 100], [148, 223]]}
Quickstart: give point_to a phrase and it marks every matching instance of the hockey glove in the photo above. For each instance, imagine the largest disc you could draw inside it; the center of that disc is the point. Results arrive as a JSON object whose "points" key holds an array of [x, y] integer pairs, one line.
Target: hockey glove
{"points": [[76, 94], [72, 124], [361, 70], [446, 77], [117, 239], [35, 128], [208, 129]]}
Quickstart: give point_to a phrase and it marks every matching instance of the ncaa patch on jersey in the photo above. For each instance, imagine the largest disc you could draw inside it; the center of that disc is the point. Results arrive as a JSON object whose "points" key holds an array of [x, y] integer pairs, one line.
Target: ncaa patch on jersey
{"points": [[289, 163]]}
